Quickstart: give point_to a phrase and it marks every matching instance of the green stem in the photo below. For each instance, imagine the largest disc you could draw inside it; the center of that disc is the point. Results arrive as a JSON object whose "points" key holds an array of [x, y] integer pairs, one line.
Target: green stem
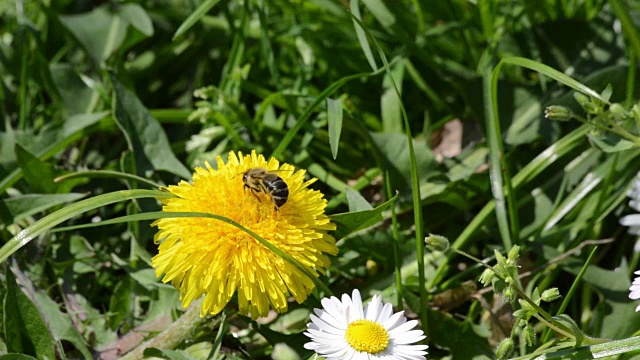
{"points": [[396, 239], [178, 332]]}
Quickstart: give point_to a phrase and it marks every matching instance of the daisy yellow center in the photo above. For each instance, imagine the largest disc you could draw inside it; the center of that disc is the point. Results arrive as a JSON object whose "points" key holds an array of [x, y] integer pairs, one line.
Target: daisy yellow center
{"points": [[367, 336]]}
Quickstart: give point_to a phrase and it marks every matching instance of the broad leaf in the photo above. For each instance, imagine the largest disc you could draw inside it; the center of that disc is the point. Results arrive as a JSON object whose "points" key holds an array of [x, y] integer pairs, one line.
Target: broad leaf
{"points": [[25, 331], [350, 222], [334, 117], [60, 324], [100, 31], [36, 172], [137, 17], [357, 202], [145, 136], [43, 145]]}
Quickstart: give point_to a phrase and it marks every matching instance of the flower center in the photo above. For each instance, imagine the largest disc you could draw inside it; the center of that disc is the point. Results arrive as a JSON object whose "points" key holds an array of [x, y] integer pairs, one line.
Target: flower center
{"points": [[367, 336]]}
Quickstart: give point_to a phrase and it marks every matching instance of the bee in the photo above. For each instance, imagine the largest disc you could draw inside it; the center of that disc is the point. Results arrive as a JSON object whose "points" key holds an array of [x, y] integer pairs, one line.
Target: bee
{"points": [[259, 180]]}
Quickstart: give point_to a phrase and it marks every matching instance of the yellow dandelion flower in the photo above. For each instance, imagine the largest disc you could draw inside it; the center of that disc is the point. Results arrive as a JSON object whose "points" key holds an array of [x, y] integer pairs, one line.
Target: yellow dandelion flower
{"points": [[204, 256]]}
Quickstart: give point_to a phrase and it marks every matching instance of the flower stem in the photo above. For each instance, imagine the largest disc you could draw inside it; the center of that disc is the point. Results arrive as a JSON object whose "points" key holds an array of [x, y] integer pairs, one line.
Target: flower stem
{"points": [[179, 331]]}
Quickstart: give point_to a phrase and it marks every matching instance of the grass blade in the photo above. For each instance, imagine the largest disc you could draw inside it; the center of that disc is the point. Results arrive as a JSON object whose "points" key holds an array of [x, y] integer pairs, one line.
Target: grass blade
{"points": [[66, 213], [204, 8], [106, 174], [154, 215], [552, 73], [499, 172], [362, 36]]}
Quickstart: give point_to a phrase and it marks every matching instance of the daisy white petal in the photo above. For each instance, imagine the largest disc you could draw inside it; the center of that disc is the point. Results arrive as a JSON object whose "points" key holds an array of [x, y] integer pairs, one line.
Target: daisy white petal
{"points": [[634, 289], [344, 330], [372, 310], [402, 329], [357, 312], [633, 221], [386, 313], [395, 320], [630, 220]]}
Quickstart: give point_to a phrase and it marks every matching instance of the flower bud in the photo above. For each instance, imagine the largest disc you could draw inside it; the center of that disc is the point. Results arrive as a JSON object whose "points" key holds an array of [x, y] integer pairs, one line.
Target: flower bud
{"points": [[372, 267], [618, 112], [505, 349], [509, 294], [529, 334], [581, 98], [586, 103], [635, 112], [550, 294], [437, 242], [557, 112], [487, 276], [513, 254]]}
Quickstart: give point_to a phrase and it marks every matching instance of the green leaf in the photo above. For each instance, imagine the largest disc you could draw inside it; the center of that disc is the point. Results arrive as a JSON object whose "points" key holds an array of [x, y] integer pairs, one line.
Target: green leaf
{"points": [[137, 17], [48, 142], [145, 136], [19, 207], [60, 324], [78, 98], [527, 121], [334, 117], [393, 153], [25, 331], [201, 11], [500, 177], [37, 173], [120, 302], [568, 323], [106, 174], [362, 36], [347, 223], [552, 73], [390, 100], [381, 12], [357, 202], [51, 220], [610, 142], [99, 31]]}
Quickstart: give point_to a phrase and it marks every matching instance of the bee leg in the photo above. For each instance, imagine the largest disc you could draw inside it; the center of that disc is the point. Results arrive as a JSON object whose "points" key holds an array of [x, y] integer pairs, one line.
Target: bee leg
{"points": [[253, 191]]}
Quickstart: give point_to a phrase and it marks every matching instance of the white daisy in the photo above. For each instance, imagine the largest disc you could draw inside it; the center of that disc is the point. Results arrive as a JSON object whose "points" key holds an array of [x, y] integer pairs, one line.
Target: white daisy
{"points": [[635, 289], [633, 221], [343, 330]]}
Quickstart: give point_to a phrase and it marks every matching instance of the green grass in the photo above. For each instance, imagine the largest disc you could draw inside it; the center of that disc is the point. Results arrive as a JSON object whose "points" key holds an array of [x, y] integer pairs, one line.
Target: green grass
{"points": [[102, 102]]}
